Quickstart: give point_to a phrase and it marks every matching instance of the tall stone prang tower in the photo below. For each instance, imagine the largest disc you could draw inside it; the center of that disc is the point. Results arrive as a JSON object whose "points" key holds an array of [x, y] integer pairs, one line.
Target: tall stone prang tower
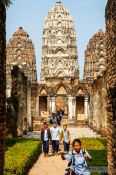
{"points": [[59, 48], [20, 78], [59, 86], [20, 51], [95, 57]]}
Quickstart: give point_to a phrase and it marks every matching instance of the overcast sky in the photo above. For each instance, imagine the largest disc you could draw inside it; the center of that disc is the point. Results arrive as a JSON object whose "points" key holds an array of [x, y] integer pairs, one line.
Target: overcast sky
{"points": [[88, 17]]}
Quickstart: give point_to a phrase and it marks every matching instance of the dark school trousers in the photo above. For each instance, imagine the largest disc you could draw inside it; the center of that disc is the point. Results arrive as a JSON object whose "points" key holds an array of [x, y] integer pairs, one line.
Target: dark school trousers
{"points": [[66, 146], [55, 146], [46, 146]]}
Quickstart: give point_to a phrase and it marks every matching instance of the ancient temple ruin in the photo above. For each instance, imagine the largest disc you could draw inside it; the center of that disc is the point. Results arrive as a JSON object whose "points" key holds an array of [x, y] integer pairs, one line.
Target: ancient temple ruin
{"points": [[22, 87], [30, 103], [95, 57], [59, 86], [95, 77], [21, 75]]}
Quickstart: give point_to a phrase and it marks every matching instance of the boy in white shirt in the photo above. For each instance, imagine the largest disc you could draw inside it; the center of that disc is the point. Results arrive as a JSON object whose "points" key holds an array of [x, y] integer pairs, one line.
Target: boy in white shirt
{"points": [[55, 136]]}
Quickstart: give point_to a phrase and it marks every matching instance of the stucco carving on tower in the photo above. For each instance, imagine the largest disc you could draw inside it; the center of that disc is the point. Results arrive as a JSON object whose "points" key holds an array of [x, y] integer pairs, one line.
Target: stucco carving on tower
{"points": [[59, 47]]}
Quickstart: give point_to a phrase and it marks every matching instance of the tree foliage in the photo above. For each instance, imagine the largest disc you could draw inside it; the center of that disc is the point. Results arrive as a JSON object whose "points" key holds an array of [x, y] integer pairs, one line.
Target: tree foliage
{"points": [[7, 3]]}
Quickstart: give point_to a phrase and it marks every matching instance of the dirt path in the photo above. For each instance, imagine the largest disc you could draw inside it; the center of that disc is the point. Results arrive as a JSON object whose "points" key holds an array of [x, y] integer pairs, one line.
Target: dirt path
{"points": [[52, 165]]}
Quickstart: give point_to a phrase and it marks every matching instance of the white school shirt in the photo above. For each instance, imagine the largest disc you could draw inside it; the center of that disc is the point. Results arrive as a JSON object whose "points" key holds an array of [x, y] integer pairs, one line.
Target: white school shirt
{"points": [[65, 136], [45, 135], [55, 133], [80, 167]]}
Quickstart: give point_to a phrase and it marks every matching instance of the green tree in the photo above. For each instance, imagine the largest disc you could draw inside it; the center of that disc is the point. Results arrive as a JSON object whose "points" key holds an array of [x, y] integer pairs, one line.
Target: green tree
{"points": [[7, 3]]}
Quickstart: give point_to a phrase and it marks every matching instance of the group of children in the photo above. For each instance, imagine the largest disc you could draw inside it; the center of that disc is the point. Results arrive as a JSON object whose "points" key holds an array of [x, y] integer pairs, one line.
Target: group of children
{"points": [[77, 158], [54, 136]]}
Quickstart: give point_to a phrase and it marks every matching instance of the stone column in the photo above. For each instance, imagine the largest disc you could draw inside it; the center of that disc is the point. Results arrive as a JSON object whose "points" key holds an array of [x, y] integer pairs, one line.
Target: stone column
{"points": [[37, 107], [29, 118], [74, 108], [70, 109], [53, 105], [86, 105], [8, 82], [49, 105]]}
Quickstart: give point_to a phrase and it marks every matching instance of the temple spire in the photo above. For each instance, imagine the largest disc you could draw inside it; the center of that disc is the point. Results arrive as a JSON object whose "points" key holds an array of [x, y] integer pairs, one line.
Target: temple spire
{"points": [[58, 46], [58, 1]]}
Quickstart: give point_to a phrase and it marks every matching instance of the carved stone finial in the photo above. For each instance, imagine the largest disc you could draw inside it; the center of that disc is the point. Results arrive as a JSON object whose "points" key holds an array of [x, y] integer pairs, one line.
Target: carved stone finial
{"points": [[58, 1]]}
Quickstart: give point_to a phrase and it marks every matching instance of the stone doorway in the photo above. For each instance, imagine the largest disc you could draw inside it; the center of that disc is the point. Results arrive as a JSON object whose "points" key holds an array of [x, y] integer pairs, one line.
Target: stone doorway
{"points": [[42, 106], [61, 103], [80, 117]]}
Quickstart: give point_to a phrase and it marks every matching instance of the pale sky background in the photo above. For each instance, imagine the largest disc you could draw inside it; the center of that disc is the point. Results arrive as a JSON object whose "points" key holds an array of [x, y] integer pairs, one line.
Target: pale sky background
{"points": [[88, 17]]}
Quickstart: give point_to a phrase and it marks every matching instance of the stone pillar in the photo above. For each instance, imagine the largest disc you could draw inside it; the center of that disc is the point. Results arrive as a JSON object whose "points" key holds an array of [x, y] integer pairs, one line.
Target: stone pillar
{"points": [[70, 109], [8, 82], [49, 106], [74, 108], [53, 105], [86, 106], [37, 107], [29, 118], [2, 85]]}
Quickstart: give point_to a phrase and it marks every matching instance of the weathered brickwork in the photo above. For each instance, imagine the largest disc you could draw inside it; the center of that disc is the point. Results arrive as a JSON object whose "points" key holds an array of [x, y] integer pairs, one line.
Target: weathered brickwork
{"points": [[17, 104], [95, 57], [21, 75], [94, 76], [98, 97], [111, 83], [2, 84]]}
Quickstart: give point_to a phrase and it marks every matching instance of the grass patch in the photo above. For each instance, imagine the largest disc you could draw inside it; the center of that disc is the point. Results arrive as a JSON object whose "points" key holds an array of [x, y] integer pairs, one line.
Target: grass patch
{"points": [[22, 153], [103, 140], [20, 157], [98, 173], [97, 149], [92, 144]]}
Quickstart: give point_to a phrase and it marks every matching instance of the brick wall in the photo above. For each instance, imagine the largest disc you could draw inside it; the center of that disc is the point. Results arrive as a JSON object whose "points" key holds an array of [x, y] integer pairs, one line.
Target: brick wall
{"points": [[111, 83], [99, 96], [2, 85], [16, 120]]}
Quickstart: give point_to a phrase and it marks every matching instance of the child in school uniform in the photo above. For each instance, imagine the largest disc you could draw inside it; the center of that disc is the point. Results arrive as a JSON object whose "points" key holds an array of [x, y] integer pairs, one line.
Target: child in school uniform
{"points": [[55, 136], [66, 138], [78, 158], [45, 138]]}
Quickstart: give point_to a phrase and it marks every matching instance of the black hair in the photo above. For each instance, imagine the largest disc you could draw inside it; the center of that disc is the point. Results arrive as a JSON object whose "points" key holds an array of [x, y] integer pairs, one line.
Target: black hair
{"points": [[64, 125], [54, 122], [45, 123], [76, 140]]}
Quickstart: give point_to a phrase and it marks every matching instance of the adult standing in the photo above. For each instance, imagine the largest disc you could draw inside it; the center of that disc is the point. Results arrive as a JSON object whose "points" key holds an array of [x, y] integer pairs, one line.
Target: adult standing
{"points": [[61, 113], [54, 119]]}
